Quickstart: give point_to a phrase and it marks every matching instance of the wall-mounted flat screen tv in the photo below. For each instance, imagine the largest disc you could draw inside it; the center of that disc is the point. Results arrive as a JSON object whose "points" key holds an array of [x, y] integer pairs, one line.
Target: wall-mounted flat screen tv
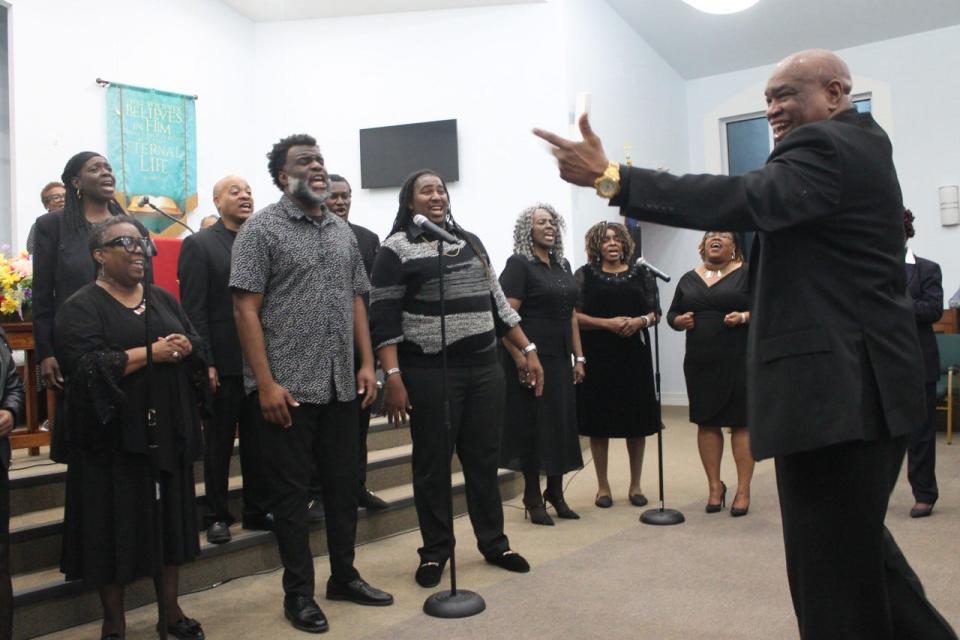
{"points": [[389, 154]]}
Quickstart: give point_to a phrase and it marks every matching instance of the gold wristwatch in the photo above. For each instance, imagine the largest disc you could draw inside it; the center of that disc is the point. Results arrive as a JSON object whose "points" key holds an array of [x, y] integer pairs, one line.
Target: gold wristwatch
{"points": [[608, 185]]}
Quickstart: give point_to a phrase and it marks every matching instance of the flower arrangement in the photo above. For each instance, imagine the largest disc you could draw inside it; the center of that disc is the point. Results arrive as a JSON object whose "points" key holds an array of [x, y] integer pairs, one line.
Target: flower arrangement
{"points": [[16, 282]]}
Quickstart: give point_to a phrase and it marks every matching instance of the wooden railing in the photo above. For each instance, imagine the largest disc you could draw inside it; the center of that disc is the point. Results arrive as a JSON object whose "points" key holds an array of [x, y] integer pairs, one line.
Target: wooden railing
{"points": [[28, 434]]}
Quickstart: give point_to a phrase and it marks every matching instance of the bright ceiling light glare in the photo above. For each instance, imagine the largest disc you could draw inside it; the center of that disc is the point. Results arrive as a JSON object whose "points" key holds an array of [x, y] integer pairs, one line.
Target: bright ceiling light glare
{"points": [[721, 7]]}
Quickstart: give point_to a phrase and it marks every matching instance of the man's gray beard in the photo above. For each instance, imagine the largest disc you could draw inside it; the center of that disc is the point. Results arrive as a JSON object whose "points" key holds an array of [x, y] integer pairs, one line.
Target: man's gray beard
{"points": [[300, 190]]}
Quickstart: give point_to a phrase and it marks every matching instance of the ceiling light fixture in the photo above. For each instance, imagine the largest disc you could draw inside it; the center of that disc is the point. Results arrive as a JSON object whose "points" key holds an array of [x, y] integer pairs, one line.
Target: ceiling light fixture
{"points": [[721, 6]]}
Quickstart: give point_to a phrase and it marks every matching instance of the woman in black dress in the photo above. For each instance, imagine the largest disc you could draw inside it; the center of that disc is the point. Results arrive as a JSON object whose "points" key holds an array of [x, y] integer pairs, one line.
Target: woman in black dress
{"points": [[61, 260], [617, 398], [540, 434], [109, 518], [711, 305]]}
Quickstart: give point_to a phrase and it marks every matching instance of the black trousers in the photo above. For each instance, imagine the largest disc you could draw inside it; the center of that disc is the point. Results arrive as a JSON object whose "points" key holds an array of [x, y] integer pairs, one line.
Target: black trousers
{"points": [[848, 578], [325, 434], [231, 407], [476, 411], [363, 427], [922, 452], [6, 586]]}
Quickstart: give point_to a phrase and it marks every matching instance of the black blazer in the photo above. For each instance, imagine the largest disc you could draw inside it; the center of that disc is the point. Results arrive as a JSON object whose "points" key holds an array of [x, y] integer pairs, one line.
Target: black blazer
{"points": [[832, 352], [61, 266], [12, 398], [925, 285], [204, 273]]}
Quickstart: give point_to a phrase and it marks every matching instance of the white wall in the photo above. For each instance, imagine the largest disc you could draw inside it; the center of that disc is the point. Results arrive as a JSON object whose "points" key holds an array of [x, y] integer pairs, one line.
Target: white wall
{"points": [[497, 71], [59, 49], [637, 100]]}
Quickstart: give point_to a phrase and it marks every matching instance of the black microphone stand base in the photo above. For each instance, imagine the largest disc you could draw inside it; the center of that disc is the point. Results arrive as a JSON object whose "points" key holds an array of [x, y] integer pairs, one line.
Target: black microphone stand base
{"points": [[449, 604], [661, 517]]}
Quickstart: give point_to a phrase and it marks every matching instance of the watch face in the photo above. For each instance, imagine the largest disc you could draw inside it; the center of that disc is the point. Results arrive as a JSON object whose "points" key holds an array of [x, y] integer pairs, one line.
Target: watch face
{"points": [[607, 187]]}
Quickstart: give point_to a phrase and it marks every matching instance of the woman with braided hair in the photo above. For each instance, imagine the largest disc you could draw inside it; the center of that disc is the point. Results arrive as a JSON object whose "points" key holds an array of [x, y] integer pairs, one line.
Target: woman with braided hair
{"points": [[617, 399], [61, 260], [405, 330], [540, 434]]}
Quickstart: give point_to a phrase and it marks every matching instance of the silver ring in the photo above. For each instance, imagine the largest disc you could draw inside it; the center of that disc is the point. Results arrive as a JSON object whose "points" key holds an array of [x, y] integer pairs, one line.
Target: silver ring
{"points": [[176, 354]]}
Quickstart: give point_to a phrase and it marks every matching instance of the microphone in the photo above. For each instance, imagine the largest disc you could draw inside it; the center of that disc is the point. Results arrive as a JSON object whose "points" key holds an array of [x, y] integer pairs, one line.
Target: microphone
{"points": [[145, 200], [421, 221], [641, 262]]}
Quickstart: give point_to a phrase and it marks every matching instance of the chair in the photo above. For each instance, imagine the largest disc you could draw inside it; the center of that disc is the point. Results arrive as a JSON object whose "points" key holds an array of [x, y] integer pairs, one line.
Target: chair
{"points": [[948, 387]]}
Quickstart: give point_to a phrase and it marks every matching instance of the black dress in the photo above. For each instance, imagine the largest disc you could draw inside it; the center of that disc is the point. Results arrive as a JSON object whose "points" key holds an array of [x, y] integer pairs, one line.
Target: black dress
{"points": [[541, 432], [109, 522], [715, 365], [617, 397]]}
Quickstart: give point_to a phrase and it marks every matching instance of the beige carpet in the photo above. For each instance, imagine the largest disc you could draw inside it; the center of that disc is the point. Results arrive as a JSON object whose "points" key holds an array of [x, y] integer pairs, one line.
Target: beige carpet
{"points": [[606, 575]]}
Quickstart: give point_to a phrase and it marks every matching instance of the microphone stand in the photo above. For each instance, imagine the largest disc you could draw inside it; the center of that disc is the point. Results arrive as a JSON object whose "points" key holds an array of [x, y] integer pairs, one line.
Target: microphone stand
{"points": [[661, 516], [449, 603], [154, 450], [146, 201]]}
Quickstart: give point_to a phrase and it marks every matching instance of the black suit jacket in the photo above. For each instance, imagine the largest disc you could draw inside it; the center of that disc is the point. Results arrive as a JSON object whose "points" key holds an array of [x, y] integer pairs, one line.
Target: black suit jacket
{"points": [[833, 354], [204, 273], [925, 284]]}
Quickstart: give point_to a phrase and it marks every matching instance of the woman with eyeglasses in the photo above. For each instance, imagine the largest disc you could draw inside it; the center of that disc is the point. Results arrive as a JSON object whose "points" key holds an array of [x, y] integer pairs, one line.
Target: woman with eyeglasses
{"points": [[110, 525], [61, 260], [711, 304]]}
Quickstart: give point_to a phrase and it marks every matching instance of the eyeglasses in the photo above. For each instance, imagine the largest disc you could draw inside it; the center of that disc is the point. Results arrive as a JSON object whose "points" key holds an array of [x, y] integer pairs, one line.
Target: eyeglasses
{"points": [[55, 197], [130, 244]]}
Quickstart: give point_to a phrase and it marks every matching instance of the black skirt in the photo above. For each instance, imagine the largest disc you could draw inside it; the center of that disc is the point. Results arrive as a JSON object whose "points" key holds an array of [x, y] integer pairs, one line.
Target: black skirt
{"points": [[109, 521], [540, 432]]}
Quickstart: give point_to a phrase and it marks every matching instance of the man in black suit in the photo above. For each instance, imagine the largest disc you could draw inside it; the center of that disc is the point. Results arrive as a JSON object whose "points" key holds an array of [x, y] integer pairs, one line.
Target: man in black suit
{"points": [[833, 358], [338, 202], [925, 284], [11, 406], [204, 271]]}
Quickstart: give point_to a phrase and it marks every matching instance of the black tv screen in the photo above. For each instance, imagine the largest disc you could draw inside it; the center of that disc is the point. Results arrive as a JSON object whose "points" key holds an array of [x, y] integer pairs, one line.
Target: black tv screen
{"points": [[389, 154]]}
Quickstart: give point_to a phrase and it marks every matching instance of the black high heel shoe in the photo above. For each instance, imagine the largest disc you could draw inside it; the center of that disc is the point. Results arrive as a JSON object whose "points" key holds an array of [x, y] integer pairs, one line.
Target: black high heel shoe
{"points": [[563, 510], [714, 508], [737, 512], [538, 514]]}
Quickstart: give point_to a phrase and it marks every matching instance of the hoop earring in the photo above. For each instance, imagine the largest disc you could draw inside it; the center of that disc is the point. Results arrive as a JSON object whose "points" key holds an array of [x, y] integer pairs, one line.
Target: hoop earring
{"points": [[79, 194]]}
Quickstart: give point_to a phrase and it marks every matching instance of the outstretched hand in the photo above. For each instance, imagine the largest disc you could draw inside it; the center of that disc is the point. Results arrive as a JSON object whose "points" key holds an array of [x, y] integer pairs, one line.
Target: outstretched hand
{"points": [[581, 163]]}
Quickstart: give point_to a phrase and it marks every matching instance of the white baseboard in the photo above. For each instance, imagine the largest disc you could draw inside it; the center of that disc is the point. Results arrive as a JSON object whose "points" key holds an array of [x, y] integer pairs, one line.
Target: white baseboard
{"points": [[675, 399]]}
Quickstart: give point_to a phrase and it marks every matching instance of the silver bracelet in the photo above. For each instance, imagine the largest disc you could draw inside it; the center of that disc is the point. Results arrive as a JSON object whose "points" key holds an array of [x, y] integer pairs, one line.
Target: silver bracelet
{"points": [[390, 372], [580, 360]]}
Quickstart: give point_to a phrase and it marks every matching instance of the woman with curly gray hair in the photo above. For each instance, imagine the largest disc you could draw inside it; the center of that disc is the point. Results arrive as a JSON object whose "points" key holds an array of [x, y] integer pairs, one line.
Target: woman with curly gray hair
{"points": [[540, 434]]}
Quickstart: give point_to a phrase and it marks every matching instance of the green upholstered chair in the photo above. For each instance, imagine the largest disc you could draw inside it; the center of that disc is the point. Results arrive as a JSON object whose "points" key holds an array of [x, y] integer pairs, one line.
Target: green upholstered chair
{"points": [[948, 387]]}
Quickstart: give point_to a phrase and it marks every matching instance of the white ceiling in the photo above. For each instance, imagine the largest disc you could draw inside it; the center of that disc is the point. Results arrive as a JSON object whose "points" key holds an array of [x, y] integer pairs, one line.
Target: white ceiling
{"points": [[277, 10], [697, 44]]}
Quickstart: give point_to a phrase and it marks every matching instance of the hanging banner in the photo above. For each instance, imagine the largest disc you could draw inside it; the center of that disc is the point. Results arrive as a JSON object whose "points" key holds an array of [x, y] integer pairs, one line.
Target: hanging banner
{"points": [[152, 144]]}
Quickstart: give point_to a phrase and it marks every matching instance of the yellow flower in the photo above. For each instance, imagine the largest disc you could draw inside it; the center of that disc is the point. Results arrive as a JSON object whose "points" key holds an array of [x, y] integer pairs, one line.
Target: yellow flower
{"points": [[9, 306]]}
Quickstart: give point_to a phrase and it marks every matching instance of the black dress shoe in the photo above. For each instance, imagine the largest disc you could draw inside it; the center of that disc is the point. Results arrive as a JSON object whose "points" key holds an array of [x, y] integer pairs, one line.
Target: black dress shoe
{"points": [[262, 522], [304, 614], [218, 533], [359, 592], [604, 502], [315, 511], [112, 636], [185, 629], [639, 500], [371, 501], [921, 510], [511, 561], [429, 572]]}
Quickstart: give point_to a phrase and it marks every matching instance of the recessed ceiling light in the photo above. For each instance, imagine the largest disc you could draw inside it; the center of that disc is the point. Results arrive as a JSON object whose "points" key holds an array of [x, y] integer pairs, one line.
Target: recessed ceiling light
{"points": [[721, 6]]}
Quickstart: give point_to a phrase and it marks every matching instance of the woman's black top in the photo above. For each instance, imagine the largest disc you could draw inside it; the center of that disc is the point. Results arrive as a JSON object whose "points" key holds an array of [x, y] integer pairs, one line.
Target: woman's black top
{"points": [[549, 295]]}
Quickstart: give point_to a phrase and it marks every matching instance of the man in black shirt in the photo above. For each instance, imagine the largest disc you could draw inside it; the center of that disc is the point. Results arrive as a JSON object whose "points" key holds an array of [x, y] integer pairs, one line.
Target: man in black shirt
{"points": [[204, 271], [339, 201]]}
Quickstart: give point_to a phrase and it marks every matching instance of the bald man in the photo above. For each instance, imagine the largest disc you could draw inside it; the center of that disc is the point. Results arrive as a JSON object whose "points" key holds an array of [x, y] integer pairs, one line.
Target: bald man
{"points": [[204, 270], [834, 381]]}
